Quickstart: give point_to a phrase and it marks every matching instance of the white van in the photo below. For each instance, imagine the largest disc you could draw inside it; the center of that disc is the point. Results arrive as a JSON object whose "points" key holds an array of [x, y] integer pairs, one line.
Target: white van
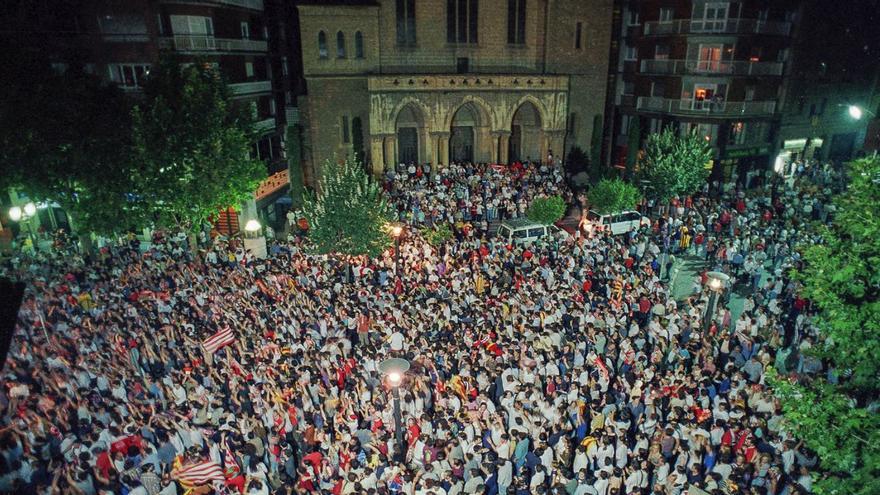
{"points": [[523, 230], [617, 223]]}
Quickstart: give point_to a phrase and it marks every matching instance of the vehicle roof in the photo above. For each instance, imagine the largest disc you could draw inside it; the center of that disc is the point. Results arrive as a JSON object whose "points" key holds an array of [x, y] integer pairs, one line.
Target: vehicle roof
{"points": [[518, 223], [609, 214]]}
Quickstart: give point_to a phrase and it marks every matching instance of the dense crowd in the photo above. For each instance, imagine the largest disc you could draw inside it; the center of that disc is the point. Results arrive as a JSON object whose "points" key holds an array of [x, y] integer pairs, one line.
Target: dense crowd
{"points": [[565, 366]]}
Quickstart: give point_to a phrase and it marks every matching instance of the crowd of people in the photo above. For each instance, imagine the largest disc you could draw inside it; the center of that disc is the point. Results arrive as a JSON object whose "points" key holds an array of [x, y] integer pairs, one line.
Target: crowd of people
{"points": [[567, 366]]}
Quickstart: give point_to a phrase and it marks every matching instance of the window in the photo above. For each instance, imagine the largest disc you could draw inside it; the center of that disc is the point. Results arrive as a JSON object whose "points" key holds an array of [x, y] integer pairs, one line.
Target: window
{"points": [[406, 22], [285, 69], [713, 18], [249, 70], [629, 88], [358, 45], [129, 76], [658, 89], [122, 24], [665, 15], [630, 53], [346, 137], [737, 133], [520, 233], [709, 58], [750, 93], [516, 22], [245, 31], [755, 53], [192, 25], [272, 106], [536, 232], [661, 52], [340, 45], [633, 18], [578, 30], [461, 21], [322, 45]]}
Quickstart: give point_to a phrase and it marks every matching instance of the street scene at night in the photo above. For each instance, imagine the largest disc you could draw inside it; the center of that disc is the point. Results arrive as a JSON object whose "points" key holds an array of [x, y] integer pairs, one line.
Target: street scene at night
{"points": [[440, 247]]}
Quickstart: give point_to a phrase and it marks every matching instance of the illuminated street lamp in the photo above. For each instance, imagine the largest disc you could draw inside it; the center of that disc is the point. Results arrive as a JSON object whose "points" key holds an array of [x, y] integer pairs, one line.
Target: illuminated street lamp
{"points": [[254, 239], [855, 112], [394, 369], [23, 214], [716, 283], [397, 233]]}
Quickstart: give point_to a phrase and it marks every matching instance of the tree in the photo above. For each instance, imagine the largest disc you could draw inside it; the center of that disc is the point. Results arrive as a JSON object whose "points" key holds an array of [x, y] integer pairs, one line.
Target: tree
{"points": [[294, 158], [547, 210], [63, 138], [841, 277], [613, 195], [349, 213], [675, 166], [192, 146], [437, 235], [633, 146]]}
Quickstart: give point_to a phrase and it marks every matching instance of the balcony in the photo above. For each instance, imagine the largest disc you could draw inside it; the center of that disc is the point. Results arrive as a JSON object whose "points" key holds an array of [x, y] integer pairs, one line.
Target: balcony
{"points": [[291, 114], [201, 43], [723, 26], [706, 108], [244, 4], [725, 67], [265, 125], [248, 88]]}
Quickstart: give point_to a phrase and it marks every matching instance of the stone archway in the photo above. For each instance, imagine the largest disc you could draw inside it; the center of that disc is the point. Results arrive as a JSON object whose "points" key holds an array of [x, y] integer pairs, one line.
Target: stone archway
{"points": [[410, 132], [469, 129], [526, 133]]}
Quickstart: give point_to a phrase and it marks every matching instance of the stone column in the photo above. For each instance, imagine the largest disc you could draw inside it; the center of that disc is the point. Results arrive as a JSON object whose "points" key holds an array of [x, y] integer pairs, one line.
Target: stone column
{"points": [[556, 142], [494, 137], [504, 146], [377, 155], [391, 151], [442, 144]]}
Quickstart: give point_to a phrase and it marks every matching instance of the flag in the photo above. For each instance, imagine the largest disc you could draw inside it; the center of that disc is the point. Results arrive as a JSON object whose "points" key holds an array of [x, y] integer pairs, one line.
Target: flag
{"points": [[222, 338], [198, 473], [603, 370], [230, 466]]}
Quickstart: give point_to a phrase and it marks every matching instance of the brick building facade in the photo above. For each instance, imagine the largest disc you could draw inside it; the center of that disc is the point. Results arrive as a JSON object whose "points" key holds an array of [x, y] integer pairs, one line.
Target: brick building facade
{"points": [[438, 80]]}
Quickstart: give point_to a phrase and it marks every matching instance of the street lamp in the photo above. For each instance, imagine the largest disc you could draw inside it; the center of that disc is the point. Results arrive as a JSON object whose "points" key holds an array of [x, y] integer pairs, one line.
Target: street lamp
{"points": [[394, 370], [23, 215], [396, 233], [716, 283], [254, 239], [855, 112]]}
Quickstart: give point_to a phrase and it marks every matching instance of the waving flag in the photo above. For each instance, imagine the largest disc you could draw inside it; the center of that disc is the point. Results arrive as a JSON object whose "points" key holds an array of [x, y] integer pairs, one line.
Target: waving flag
{"points": [[603, 370], [222, 338], [198, 473]]}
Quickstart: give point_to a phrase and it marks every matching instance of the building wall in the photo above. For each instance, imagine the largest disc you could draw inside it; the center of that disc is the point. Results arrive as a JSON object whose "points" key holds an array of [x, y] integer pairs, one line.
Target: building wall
{"points": [[339, 87]]}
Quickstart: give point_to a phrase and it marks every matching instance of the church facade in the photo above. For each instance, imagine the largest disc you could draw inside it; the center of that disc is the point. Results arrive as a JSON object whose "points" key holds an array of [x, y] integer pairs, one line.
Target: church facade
{"points": [[401, 81]]}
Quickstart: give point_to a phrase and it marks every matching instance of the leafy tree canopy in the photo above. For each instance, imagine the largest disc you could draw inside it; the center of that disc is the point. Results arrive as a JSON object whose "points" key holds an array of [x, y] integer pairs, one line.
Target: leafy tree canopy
{"points": [[675, 165], [547, 210], [349, 213], [62, 139], [613, 195], [192, 147], [841, 276]]}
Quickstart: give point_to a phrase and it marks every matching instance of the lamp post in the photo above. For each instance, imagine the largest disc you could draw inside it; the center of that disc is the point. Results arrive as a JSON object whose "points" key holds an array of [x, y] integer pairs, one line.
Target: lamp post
{"points": [[23, 214], [254, 239], [394, 369], [396, 233], [716, 283]]}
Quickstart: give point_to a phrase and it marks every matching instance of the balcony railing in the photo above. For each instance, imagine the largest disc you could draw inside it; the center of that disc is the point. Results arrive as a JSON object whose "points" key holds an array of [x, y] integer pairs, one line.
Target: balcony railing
{"points": [[265, 125], [730, 67], [291, 114], [710, 108], [200, 43], [245, 4], [247, 88], [726, 26], [454, 63]]}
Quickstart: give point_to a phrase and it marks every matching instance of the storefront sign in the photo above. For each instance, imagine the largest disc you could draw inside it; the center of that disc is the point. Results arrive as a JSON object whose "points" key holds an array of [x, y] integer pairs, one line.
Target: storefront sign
{"points": [[745, 152]]}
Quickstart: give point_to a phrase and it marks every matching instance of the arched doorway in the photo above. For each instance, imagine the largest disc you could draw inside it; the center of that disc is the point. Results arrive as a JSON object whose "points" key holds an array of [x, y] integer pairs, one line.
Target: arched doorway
{"points": [[462, 137], [410, 128], [526, 134]]}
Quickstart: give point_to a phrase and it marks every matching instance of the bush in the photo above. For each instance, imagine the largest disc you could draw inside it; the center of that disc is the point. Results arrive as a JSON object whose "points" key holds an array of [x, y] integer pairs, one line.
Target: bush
{"points": [[437, 235], [547, 210], [613, 195]]}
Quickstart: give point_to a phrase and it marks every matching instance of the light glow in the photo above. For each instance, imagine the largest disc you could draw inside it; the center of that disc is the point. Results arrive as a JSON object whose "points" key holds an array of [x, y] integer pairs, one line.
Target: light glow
{"points": [[15, 213], [394, 378], [252, 226], [30, 209], [855, 112]]}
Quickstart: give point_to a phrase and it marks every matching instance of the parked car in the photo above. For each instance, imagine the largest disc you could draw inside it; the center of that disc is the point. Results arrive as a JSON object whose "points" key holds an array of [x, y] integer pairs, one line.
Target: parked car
{"points": [[617, 223], [523, 230]]}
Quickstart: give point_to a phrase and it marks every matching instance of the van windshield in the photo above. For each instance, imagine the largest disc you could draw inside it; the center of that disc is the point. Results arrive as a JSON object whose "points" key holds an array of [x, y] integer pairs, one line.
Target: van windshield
{"points": [[504, 232]]}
